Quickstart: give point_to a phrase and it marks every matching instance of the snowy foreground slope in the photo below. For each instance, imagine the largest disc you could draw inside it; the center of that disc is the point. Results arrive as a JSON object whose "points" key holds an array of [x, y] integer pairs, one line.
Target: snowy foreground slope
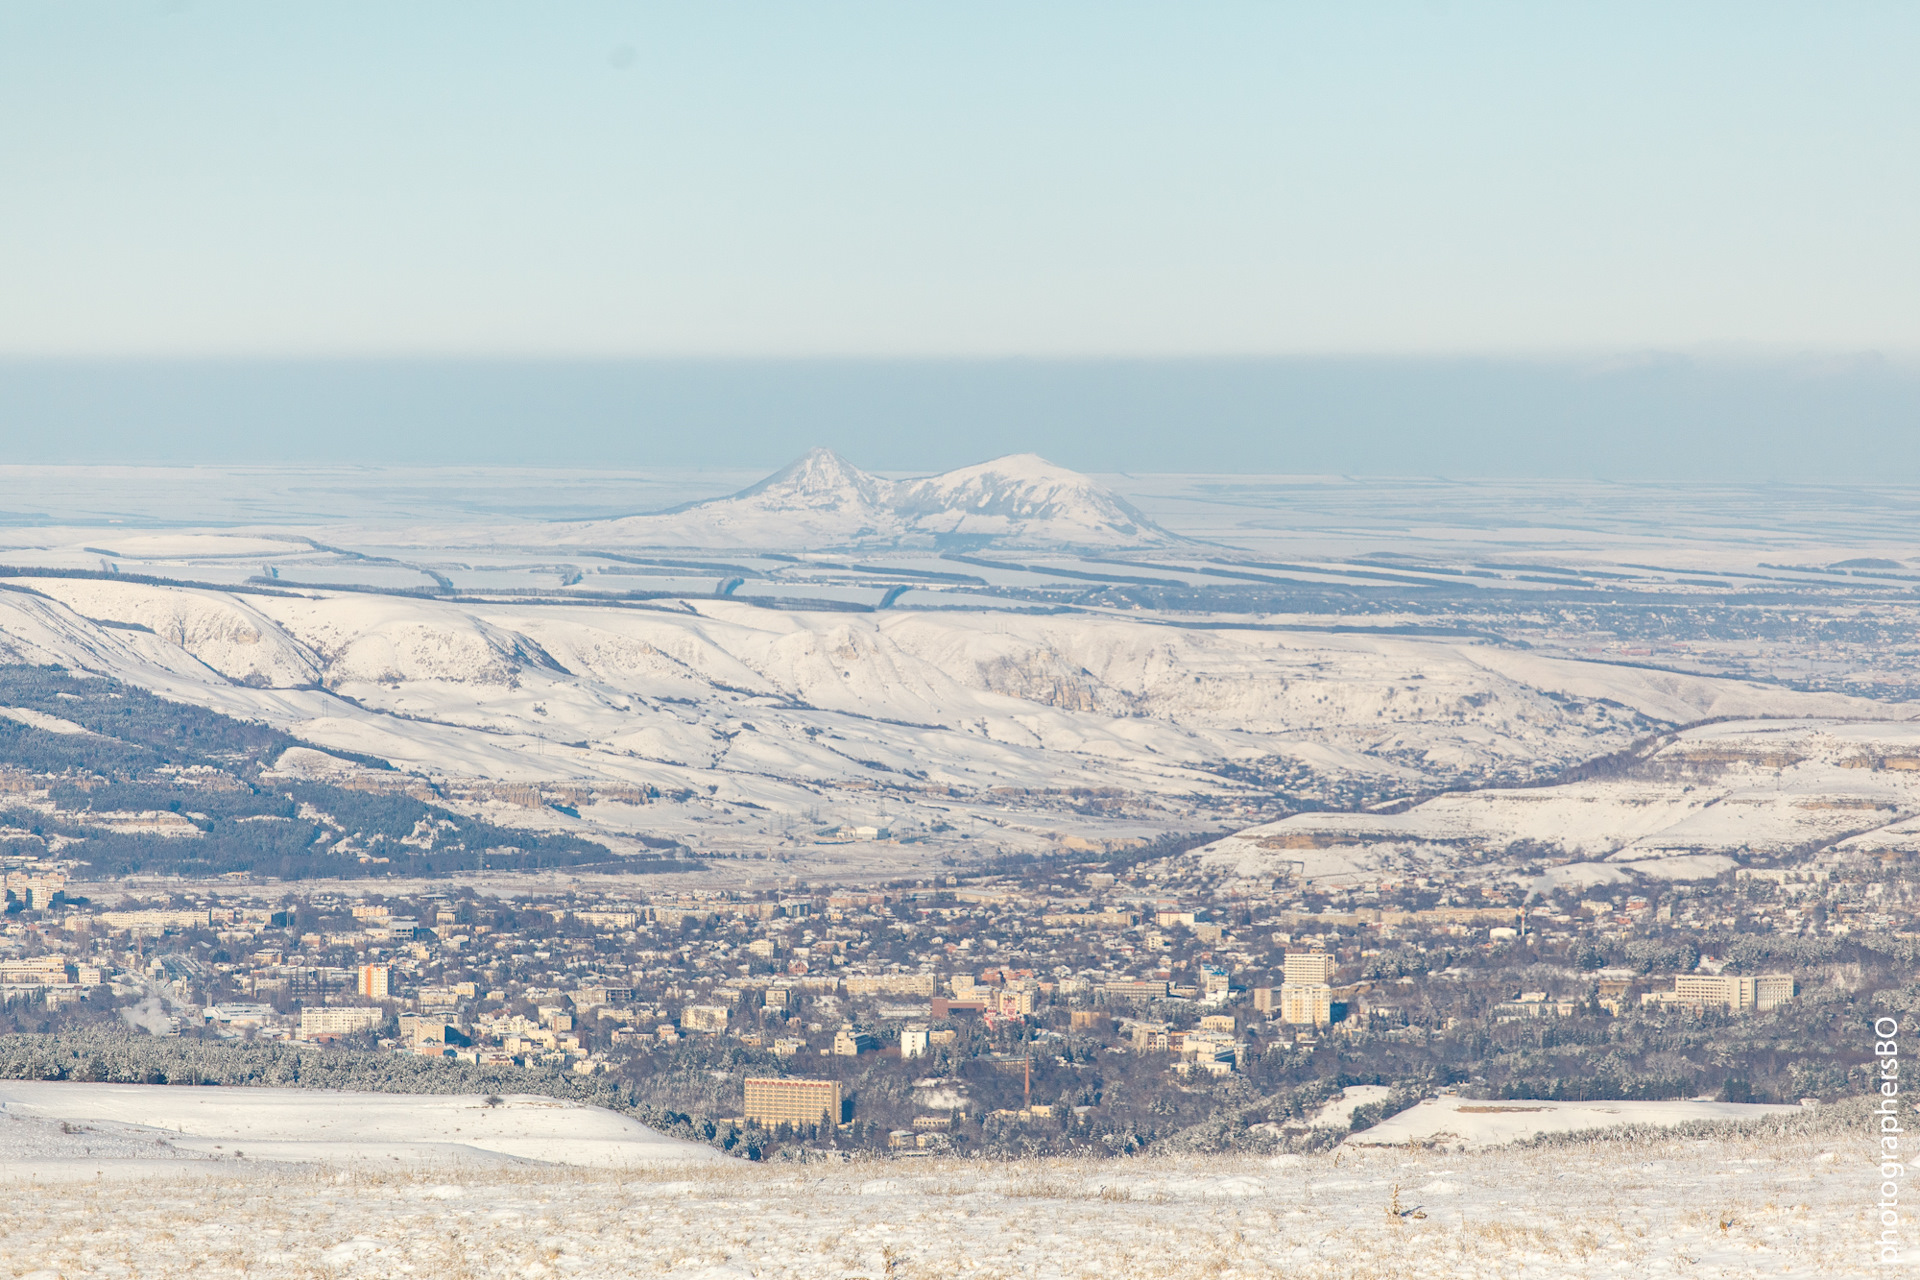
{"points": [[324, 1125], [1761, 1205]]}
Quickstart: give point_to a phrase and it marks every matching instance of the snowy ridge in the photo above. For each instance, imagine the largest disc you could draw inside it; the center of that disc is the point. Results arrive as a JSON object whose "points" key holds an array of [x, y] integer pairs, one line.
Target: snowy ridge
{"points": [[822, 500], [1709, 800], [745, 720]]}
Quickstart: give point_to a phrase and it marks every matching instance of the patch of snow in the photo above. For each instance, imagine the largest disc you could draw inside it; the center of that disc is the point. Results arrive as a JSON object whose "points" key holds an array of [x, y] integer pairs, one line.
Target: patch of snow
{"points": [[41, 720], [308, 1125], [1465, 1122], [1337, 1112]]}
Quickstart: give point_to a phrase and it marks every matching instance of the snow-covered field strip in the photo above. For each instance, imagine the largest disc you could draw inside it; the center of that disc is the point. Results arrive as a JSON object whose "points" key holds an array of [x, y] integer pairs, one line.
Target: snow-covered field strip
{"points": [[1458, 1122], [327, 1125], [1746, 1206]]}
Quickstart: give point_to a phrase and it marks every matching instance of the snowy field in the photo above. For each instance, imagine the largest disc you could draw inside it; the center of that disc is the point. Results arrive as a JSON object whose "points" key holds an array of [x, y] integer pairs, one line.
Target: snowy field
{"points": [[1751, 1206], [1466, 1122], [320, 1125]]}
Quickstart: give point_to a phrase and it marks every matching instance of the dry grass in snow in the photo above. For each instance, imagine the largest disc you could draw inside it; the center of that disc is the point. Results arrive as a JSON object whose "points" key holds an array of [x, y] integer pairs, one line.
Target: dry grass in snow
{"points": [[1739, 1207]]}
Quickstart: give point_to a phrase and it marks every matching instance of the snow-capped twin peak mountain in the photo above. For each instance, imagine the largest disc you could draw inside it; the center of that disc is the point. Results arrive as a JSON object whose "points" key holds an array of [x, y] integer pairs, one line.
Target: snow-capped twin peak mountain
{"points": [[823, 500]]}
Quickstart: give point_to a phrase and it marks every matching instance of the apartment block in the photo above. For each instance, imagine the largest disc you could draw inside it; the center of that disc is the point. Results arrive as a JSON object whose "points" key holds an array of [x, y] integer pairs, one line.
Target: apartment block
{"points": [[374, 981], [1308, 969], [889, 984], [704, 1017], [1758, 993], [1306, 1004], [1150, 1037], [848, 1043], [772, 1101], [341, 1021]]}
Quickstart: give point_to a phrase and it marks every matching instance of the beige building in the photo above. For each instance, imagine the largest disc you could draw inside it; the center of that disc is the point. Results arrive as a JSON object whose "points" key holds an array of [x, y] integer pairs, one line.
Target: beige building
{"points": [[342, 1021], [35, 971], [1758, 993], [153, 923], [418, 1029], [704, 1017], [889, 984], [1306, 1004], [772, 1102], [1309, 968], [1150, 1037], [35, 889], [848, 1043]]}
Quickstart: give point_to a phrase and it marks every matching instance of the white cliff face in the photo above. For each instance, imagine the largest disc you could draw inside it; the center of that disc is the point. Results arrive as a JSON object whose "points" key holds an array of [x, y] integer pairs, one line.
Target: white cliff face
{"points": [[822, 500]]}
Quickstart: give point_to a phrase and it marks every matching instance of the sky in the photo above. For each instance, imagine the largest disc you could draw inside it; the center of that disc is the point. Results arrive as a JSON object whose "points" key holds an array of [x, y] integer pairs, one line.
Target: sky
{"points": [[1427, 222]]}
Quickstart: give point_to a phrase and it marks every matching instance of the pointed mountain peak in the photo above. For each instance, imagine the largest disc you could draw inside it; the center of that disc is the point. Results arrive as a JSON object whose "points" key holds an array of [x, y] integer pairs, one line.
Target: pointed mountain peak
{"points": [[819, 478]]}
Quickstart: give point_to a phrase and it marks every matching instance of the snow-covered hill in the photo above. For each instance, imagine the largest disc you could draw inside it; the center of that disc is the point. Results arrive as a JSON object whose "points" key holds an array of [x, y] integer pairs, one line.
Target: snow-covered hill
{"points": [[1705, 801], [822, 500], [761, 728]]}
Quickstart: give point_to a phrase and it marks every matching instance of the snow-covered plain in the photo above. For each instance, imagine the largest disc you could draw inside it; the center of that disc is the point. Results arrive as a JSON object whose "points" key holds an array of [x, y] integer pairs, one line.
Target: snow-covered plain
{"points": [[1760, 1205]]}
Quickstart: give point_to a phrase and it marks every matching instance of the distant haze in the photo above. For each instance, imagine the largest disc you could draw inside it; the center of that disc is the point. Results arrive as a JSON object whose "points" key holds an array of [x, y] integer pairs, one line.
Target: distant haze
{"points": [[1636, 417], [864, 179]]}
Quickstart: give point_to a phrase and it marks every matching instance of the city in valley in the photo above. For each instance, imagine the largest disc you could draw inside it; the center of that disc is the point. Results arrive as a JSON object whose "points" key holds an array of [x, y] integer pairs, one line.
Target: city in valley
{"points": [[872, 642], [1099, 837]]}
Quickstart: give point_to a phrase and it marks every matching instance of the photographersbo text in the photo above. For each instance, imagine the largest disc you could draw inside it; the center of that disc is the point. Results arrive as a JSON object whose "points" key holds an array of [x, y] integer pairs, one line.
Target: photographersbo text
{"points": [[1886, 1049]]}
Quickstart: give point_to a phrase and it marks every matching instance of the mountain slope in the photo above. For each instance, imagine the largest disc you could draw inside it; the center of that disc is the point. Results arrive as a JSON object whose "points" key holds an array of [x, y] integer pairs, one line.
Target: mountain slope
{"points": [[1026, 497]]}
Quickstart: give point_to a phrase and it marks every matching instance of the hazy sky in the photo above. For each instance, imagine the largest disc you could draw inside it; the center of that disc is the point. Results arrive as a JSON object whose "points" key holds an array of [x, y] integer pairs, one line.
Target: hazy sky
{"points": [[1063, 179]]}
